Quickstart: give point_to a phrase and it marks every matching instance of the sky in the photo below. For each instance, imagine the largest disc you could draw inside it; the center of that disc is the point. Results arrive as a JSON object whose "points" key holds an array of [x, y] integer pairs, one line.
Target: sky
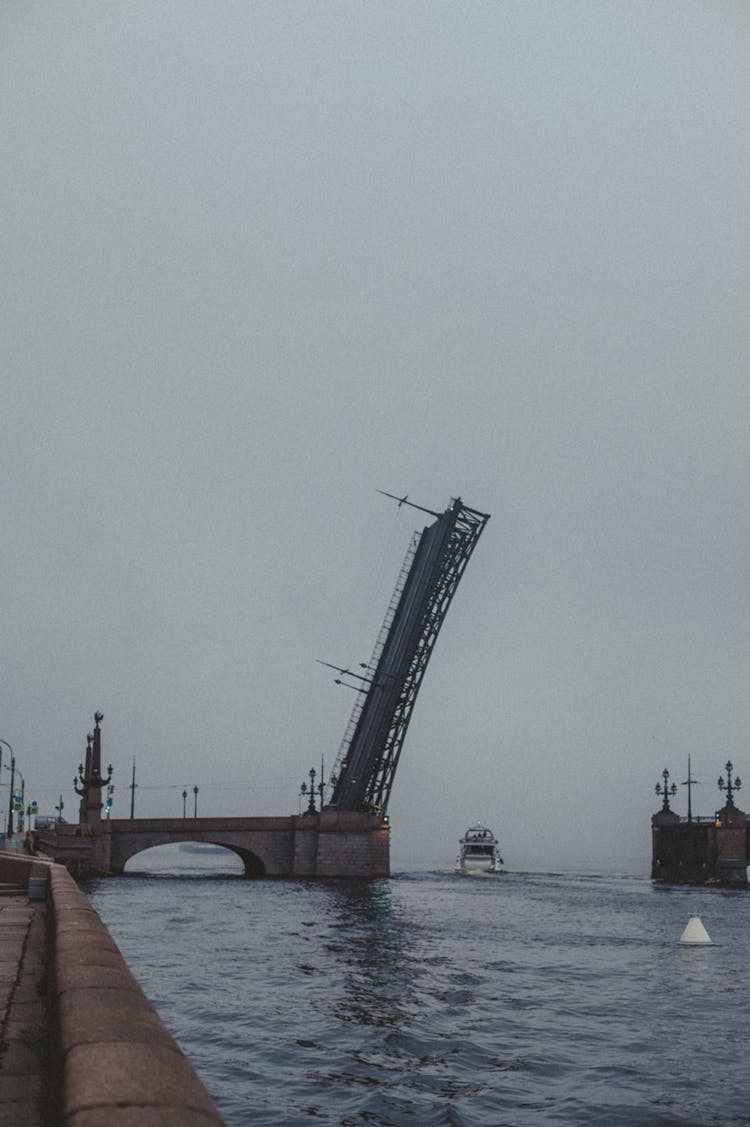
{"points": [[263, 259]]}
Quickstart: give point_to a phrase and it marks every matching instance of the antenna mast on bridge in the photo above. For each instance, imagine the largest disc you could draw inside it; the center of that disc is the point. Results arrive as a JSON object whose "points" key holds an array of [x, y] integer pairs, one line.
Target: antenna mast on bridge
{"points": [[369, 753]]}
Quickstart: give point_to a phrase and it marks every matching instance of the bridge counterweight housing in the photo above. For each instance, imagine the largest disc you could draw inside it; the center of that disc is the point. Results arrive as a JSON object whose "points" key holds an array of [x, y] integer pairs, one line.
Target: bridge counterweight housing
{"points": [[370, 751]]}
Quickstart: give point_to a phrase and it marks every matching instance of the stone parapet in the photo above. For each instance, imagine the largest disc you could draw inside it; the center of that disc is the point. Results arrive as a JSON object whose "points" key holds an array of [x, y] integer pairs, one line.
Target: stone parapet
{"points": [[18, 869], [118, 1064]]}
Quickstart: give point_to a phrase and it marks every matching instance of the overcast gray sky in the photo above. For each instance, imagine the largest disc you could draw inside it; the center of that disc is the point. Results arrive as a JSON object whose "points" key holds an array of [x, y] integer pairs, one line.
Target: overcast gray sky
{"points": [[261, 259]]}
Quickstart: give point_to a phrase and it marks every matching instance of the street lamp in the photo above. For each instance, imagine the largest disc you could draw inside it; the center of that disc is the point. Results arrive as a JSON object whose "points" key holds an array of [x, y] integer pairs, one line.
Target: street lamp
{"points": [[12, 760], [10, 797], [11, 802], [305, 789], [184, 800], [195, 804], [23, 795], [666, 790], [730, 785]]}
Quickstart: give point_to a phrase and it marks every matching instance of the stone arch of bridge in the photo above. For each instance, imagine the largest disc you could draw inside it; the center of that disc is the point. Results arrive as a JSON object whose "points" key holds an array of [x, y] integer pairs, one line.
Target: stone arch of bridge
{"points": [[253, 863]]}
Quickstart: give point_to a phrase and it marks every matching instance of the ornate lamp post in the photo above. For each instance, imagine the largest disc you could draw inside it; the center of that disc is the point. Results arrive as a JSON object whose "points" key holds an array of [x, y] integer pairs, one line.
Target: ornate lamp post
{"points": [[184, 807], [666, 790], [195, 803], [730, 786], [305, 789]]}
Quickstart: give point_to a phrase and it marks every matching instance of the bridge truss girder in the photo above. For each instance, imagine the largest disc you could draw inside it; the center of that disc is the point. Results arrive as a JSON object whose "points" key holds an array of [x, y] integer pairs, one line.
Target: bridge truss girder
{"points": [[372, 745]]}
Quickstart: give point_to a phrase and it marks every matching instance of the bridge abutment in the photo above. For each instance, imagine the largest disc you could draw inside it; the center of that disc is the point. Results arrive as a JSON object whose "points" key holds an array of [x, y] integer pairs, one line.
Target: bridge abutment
{"points": [[351, 844]]}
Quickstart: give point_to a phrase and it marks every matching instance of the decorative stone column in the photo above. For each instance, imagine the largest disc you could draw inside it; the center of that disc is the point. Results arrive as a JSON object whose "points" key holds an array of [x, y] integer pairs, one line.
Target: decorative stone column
{"points": [[90, 781]]}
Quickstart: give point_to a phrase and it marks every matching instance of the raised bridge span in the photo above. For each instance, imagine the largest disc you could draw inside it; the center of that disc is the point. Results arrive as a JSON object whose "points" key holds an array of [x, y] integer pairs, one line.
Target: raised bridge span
{"points": [[349, 836]]}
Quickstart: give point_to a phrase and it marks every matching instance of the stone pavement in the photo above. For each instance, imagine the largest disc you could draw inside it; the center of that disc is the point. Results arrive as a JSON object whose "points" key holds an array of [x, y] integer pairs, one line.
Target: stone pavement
{"points": [[27, 1089]]}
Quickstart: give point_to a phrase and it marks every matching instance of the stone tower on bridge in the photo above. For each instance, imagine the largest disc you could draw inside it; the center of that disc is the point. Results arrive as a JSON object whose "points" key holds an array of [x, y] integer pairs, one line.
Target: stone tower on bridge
{"points": [[711, 849]]}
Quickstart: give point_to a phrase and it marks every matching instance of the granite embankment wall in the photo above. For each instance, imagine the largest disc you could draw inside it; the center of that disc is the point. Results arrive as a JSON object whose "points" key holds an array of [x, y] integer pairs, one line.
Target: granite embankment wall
{"points": [[118, 1066]]}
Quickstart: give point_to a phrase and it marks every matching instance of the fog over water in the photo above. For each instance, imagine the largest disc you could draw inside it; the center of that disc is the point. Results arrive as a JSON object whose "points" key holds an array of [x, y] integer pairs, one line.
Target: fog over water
{"points": [[263, 259]]}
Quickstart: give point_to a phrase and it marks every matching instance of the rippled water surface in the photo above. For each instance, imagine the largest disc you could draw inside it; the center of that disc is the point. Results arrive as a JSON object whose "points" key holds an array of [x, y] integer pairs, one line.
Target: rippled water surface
{"points": [[430, 998]]}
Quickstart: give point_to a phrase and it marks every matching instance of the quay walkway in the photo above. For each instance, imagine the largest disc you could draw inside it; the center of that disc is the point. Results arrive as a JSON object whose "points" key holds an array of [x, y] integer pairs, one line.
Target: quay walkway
{"points": [[80, 1044], [24, 1016]]}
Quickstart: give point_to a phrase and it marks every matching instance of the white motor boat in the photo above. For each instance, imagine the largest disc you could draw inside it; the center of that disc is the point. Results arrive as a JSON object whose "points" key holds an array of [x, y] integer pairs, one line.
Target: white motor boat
{"points": [[479, 851]]}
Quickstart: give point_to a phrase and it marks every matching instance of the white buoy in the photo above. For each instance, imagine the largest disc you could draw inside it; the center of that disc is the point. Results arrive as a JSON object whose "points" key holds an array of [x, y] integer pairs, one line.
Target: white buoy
{"points": [[695, 933]]}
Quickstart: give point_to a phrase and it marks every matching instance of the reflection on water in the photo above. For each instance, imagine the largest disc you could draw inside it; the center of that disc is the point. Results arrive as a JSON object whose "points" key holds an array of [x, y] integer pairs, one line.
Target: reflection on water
{"points": [[376, 966], [188, 859], [434, 999]]}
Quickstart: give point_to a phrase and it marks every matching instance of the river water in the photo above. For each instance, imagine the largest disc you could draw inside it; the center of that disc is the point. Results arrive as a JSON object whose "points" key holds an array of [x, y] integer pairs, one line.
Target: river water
{"points": [[431, 998]]}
